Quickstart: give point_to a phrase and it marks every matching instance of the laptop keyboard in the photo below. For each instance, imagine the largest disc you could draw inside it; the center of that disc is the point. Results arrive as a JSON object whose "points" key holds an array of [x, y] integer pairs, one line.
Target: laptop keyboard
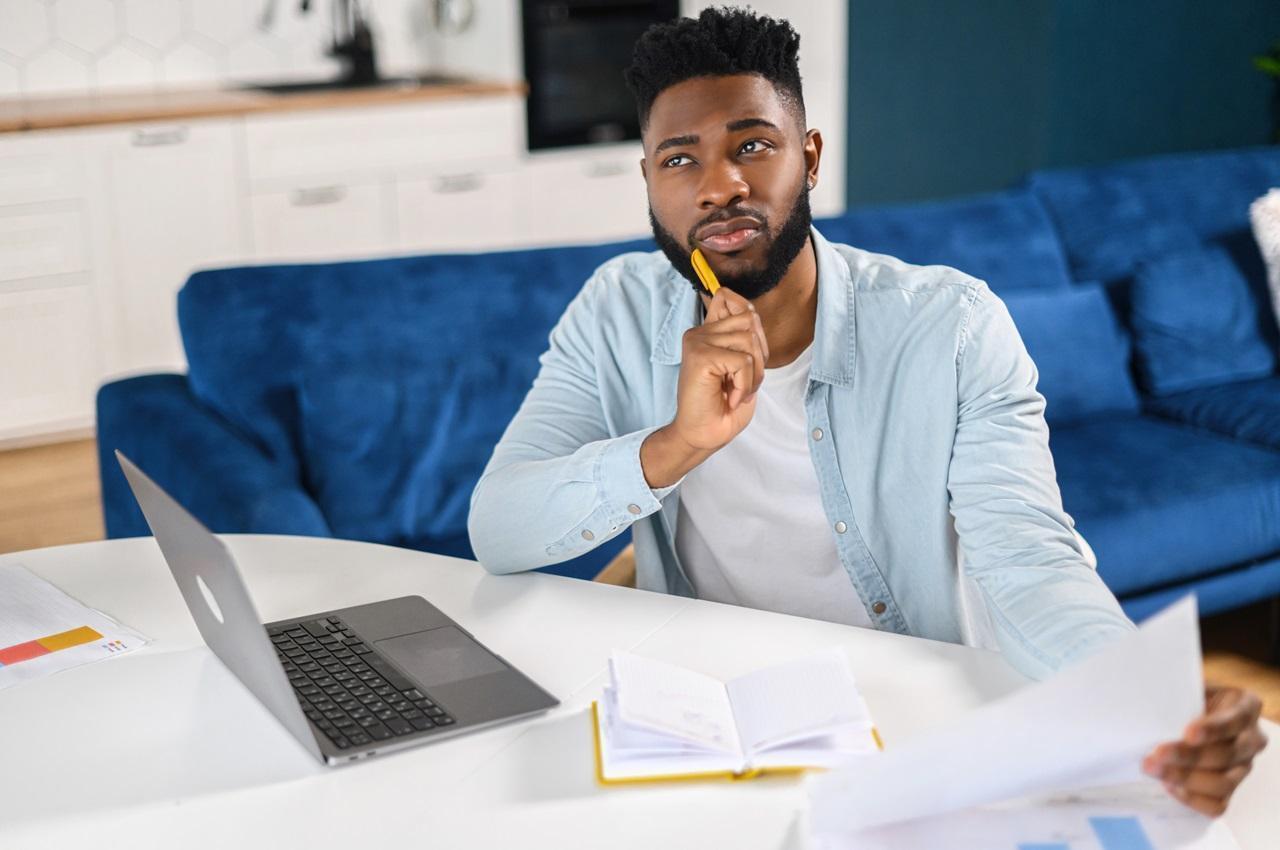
{"points": [[346, 689]]}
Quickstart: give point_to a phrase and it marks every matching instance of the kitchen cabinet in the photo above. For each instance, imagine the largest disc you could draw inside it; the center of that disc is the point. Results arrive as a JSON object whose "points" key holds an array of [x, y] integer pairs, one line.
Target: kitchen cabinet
{"points": [[174, 205], [50, 334], [322, 219]]}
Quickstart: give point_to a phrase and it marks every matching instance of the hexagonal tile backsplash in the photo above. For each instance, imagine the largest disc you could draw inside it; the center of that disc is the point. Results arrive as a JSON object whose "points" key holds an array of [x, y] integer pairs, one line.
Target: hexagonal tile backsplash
{"points": [[84, 46]]}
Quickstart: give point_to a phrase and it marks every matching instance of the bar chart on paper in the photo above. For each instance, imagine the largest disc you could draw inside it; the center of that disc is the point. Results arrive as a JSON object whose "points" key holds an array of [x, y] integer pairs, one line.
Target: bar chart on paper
{"points": [[1139, 817], [42, 630]]}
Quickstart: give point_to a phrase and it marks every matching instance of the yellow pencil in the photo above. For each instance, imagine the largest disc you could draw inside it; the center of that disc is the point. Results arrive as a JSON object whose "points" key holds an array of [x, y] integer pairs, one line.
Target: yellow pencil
{"points": [[704, 272]]}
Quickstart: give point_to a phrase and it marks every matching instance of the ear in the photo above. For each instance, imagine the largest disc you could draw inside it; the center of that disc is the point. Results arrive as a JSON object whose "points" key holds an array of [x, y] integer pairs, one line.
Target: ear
{"points": [[812, 157], [643, 171]]}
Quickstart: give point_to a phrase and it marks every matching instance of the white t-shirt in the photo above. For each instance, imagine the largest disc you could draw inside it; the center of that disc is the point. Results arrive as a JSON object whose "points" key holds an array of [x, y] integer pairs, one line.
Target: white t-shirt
{"points": [[751, 529]]}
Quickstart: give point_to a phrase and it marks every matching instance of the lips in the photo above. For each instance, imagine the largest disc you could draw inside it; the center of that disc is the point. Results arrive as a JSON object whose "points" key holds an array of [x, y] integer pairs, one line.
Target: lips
{"points": [[732, 235]]}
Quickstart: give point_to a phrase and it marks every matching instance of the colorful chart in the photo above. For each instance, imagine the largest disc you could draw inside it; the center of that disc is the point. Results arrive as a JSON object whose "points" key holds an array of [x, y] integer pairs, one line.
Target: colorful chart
{"points": [[43, 646]]}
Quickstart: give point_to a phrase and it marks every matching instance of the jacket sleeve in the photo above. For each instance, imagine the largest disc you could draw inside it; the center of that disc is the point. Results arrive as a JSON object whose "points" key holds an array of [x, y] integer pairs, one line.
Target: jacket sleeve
{"points": [[559, 482], [1047, 604]]}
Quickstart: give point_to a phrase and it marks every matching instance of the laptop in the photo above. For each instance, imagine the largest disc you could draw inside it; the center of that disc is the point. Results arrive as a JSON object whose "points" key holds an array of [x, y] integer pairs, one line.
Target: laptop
{"points": [[349, 683]]}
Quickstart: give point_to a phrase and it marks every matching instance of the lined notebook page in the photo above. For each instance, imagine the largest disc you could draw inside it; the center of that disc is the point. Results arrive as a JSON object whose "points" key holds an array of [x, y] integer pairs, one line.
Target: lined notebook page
{"points": [[671, 699], [795, 700]]}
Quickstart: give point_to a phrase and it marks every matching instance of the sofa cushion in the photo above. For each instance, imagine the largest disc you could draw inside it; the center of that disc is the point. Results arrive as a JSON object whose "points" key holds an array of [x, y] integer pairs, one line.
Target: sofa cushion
{"points": [[394, 459], [1161, 502], [1248, 410], [1079, 350], [1195, 323], [1112, 217], [1004, 238]]}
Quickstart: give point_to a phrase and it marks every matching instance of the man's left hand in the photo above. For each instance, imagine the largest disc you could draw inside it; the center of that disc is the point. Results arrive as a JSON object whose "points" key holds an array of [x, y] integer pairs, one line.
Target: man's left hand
{"points": [[1215, 754]]}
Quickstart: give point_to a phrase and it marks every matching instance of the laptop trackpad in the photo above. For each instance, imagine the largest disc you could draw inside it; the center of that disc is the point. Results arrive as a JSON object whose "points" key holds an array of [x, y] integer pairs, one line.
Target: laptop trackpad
{"points": [[438, 656]]}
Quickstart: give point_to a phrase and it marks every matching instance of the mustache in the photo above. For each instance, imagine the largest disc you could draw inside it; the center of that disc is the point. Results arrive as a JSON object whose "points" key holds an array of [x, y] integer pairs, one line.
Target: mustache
{"points": [[726, 213]]}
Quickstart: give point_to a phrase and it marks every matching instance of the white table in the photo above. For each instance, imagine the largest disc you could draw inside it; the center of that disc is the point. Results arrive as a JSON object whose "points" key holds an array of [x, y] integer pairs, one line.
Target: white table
{"points": [[163, 748]]}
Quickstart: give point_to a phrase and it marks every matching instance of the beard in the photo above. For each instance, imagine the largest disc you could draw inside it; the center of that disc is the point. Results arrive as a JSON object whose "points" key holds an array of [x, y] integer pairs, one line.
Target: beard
{"points": [[751, 284]]}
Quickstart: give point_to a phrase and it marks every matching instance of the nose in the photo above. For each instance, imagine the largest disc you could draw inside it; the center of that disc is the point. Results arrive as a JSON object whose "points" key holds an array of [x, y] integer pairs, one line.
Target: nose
{"points": [[722, 186]]}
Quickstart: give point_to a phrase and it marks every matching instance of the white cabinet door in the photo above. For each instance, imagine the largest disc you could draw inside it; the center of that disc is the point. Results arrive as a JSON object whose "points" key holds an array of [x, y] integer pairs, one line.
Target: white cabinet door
{"points": [[378, 140], [175, 206], [460, 211], [50, 349], [585, 195], [322, 219], [48, 359]]}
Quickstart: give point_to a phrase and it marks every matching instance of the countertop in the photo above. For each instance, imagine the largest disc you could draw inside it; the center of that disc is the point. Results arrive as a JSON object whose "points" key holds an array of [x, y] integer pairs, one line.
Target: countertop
{"points": [[46, 113]]}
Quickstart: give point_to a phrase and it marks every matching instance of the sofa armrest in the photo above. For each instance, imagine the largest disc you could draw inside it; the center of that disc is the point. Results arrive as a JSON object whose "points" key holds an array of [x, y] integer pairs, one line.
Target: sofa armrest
{"points": [[221, 477]]}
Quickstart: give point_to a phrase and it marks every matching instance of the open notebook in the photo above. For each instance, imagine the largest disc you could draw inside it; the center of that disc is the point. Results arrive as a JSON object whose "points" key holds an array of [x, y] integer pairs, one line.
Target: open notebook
{"points": [[658, 721]]}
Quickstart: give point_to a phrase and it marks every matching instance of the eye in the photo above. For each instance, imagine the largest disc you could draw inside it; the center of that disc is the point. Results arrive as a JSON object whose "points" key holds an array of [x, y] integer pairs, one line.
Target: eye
{"points": [[754, 146], [672, 162]]}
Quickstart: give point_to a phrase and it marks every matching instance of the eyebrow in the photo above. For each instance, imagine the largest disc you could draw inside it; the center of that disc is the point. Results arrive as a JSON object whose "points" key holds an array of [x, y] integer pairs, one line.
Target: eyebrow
{"points": [[732, 127]]}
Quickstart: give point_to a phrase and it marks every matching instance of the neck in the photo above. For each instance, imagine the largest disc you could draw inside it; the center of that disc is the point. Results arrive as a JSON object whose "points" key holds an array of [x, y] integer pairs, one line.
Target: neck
{"points": [[789, 311]]}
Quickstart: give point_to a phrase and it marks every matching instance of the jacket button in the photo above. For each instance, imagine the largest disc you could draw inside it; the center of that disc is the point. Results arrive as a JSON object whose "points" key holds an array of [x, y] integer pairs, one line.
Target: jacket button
{"points": [[817, 433], [635, 509], [878, 607], [587, 535], [841, 528]]}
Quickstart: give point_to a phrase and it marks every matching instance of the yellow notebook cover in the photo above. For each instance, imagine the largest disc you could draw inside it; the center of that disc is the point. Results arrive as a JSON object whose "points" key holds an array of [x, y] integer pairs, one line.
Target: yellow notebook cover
{"points": [[680, 777]]}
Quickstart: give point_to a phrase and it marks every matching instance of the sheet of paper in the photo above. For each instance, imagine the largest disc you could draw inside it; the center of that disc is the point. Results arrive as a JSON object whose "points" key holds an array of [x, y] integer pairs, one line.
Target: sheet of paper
{"points": [[43, 630], [795, 700], [1133, 817], [1089, 725], [672, 699]]}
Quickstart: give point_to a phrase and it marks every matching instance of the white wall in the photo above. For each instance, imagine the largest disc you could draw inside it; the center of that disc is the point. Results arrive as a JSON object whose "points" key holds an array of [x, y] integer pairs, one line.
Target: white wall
{"points": [[86, 46]]}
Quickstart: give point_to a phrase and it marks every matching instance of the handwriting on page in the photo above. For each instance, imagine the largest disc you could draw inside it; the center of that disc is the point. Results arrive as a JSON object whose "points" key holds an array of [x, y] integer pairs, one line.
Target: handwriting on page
{"points": [[673, 700]]}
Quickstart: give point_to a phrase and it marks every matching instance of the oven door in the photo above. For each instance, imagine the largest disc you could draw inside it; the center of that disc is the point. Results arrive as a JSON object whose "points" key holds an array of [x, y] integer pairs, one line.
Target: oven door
{"points": [[574, 55]]}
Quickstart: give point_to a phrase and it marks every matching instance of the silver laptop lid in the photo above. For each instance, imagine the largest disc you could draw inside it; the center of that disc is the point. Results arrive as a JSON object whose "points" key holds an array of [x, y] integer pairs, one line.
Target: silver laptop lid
{"points": [[215, 592]]}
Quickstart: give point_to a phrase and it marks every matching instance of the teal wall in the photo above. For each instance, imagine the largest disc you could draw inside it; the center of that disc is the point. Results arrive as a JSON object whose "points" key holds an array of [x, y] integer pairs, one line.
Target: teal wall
{"points": [[948, 97]]}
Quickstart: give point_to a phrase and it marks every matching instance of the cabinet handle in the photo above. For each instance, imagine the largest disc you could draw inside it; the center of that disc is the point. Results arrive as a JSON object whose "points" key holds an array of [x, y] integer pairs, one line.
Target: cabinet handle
{"points": [[159, 138], [317, 196], [606, 169], [456, 183]]}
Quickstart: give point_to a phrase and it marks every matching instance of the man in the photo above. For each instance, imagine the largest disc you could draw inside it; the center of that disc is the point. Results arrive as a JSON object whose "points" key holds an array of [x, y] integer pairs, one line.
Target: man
{"points": [[834, 434]]}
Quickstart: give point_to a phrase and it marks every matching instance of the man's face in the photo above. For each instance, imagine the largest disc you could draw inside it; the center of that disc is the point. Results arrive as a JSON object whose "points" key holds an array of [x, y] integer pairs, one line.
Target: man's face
{"points": [[726, 164]]}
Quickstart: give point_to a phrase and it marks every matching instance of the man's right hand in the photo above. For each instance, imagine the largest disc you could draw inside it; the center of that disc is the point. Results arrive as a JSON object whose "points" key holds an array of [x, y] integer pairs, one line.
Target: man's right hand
{"points": [[721, 369]]}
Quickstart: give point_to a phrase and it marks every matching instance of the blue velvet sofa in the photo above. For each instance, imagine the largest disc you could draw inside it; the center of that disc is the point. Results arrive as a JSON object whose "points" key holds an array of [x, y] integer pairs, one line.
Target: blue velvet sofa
{"points": [[361, 399]]}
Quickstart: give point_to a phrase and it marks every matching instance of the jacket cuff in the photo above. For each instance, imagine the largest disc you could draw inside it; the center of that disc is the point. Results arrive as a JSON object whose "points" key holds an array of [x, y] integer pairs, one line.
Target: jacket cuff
{"points": [[624, 496]]}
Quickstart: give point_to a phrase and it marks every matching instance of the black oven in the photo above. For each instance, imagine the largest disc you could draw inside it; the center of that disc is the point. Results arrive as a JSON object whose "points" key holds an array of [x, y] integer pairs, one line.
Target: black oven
{"points": [[574, 55]]}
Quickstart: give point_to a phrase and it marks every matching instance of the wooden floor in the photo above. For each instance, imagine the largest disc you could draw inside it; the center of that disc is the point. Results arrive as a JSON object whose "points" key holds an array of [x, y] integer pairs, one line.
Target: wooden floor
{"points": [[49, 495]]}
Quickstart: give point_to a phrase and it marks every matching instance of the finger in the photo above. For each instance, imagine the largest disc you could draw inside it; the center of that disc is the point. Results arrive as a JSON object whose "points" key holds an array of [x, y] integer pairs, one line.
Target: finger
{"points": [[1216, 756], [1202, 803], [1233, 710], [744, 341], [740, 322], [727, 303], [1214, 783], [757, 352], [716, 309], [748, 343], [735, 303], [759, 326], [1179, 757], [742, 377], [728, 370]]}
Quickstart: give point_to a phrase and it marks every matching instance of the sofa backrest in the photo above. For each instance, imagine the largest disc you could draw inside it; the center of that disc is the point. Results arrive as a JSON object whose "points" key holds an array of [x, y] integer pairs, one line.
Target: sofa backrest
{"points": [[1111, 218], [255, 335], [1004, 238]]}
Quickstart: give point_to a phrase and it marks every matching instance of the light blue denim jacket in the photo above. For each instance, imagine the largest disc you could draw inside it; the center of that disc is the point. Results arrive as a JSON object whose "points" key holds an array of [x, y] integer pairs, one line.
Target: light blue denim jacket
{"points": [[926, 431]]}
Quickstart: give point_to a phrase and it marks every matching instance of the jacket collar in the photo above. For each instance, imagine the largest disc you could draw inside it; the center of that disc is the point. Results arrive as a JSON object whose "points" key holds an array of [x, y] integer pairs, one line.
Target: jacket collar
{"points": [[833, 340]]}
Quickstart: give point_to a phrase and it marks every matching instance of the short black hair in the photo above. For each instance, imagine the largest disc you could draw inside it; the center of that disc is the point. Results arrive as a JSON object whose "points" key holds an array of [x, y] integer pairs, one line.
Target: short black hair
{"points": [[719, 42]]}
